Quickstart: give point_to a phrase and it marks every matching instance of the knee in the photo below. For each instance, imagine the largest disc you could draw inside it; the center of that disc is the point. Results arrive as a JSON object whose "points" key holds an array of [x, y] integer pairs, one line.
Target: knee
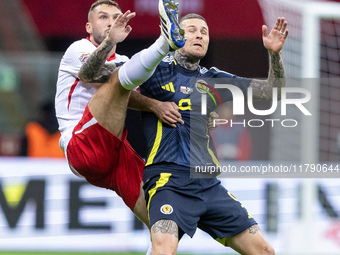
{"points": [[268, 250], [162, 247], [166, 246], [163, 252]]}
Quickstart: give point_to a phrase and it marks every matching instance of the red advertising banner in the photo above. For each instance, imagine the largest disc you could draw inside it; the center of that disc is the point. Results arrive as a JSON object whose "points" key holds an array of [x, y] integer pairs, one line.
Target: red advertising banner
{"points": [[226, 18]]}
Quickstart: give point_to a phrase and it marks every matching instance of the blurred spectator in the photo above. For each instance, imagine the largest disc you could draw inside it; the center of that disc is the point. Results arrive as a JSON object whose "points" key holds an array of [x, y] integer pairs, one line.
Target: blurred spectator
{"points": [[233, 142], [42, 136], [10, 145]]}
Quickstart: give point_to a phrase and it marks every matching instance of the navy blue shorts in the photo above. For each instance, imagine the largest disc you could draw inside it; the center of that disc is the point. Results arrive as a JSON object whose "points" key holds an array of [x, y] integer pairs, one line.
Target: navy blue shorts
{"points": [[194, 202]]}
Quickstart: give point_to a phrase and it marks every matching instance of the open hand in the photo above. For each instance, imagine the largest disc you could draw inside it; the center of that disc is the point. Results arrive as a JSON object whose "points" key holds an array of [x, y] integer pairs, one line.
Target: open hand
{"points": [[120, 28], [211, 121], [274, 41]]}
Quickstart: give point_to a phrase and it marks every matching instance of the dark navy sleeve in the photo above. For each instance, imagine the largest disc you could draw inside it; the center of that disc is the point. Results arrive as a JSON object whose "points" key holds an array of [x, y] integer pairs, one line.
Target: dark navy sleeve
{"points": [[225, 94]]}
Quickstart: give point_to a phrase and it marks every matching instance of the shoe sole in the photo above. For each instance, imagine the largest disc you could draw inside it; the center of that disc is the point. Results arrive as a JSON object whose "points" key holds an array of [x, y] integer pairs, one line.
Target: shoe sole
{"points": [[169, 23]]}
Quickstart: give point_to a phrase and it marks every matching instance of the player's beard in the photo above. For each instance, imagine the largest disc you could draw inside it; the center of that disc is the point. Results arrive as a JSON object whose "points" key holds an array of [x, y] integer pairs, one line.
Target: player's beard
{"points": [[97, 37]]}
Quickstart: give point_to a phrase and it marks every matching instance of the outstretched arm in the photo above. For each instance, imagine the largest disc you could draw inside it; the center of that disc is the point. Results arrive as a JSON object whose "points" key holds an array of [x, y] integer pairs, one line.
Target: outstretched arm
{"points": [[273, 42], [94, 69]]}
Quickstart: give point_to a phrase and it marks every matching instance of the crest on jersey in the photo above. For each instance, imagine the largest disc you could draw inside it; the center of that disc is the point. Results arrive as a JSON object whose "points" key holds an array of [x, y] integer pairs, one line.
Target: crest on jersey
{"points": [[84, 57], [167, 209], [202, 86]]}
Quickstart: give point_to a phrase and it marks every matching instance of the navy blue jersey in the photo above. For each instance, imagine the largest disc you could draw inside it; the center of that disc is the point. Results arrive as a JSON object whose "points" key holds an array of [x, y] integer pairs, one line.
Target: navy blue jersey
{"points": [[189, 144]]}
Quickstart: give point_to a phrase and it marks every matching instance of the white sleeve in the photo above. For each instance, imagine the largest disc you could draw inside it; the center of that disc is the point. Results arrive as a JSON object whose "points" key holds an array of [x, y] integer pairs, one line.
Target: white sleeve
{"points": [[143, 64], [75, 56]]}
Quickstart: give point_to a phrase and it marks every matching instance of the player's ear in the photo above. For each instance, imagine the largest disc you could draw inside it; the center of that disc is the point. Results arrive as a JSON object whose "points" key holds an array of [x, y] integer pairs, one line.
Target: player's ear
{"points": [[88, 28]]}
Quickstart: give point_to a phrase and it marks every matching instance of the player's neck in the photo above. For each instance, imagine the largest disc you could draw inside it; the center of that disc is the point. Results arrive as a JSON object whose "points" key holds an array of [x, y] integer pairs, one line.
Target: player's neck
{"points": [[112, 52], [186, 62]]}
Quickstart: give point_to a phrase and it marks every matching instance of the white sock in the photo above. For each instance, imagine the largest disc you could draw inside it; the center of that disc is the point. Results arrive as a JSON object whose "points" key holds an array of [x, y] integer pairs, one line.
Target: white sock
{"points": [[142, 65], [149, 250]]}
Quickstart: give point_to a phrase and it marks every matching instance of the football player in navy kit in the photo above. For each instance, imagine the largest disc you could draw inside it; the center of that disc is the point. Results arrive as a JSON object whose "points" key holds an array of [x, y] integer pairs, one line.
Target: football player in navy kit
{"points": [[176, 202]]}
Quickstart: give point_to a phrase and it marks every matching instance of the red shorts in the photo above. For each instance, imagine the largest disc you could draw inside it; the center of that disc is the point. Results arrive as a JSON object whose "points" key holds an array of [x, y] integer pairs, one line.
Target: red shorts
{"points": [[105, 160]]}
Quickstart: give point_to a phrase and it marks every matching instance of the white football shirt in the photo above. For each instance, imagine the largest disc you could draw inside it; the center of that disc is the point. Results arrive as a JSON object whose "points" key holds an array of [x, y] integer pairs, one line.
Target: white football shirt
{"points": [[73, 95]]}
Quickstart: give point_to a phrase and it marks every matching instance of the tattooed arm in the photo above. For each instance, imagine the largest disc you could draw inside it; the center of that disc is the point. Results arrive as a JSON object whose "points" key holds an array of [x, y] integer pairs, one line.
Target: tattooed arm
{"points": [[273, 42], [94, 69], [262, 89]]}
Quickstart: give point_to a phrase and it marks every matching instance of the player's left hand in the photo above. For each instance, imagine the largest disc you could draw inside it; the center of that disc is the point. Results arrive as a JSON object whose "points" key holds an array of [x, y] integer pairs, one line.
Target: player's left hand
{"points": [[274, 41], [168, 113], [120, 28], [211, 124]]}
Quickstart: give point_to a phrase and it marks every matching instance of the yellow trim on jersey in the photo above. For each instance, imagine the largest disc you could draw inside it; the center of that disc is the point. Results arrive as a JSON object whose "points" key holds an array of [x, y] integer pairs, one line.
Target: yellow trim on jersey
{"points": [[175, 62], [214, 158], [156, 143], [163, 179]]}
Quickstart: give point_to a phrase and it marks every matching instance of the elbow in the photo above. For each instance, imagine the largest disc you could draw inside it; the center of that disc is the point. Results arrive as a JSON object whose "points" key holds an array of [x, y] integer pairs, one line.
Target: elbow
{"points": [[274, 97], [279, 89], [278, 85], [277, 94], [279, 97], [83, 77]]}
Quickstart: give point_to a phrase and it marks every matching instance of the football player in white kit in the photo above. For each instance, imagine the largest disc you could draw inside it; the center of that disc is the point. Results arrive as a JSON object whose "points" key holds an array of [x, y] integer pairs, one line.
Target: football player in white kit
{"points": [[93, 94]]}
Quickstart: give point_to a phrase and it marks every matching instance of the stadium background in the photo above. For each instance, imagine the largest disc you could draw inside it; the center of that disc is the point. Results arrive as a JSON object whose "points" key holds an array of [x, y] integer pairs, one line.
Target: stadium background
{"points": [[34, 35]]}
